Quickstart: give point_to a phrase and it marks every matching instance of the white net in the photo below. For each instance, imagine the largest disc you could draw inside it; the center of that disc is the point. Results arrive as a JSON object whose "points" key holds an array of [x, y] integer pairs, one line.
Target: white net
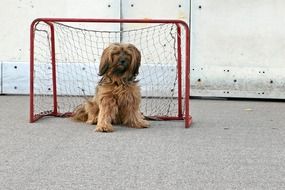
{"points": [[77, 52]]}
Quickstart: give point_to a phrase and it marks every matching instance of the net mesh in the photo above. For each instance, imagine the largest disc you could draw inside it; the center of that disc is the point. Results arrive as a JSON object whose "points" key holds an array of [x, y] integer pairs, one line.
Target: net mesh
{"points": [[78, 51]]}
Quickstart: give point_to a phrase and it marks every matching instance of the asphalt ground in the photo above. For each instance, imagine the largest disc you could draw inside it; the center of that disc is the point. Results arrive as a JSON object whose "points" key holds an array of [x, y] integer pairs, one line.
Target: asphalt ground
{"points": [[230, 145]]}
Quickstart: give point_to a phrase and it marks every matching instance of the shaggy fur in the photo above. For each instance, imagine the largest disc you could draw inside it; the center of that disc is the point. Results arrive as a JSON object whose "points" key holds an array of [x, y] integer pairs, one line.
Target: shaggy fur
{"points": [[117, 97]]}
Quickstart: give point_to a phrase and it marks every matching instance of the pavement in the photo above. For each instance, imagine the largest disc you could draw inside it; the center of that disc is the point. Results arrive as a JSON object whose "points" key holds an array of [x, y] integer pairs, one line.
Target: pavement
{"points": [[230, 145]]}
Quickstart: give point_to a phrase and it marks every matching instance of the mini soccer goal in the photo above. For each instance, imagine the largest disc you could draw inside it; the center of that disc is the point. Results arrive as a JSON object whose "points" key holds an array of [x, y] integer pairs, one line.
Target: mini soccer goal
{"points": [[65, 56]]}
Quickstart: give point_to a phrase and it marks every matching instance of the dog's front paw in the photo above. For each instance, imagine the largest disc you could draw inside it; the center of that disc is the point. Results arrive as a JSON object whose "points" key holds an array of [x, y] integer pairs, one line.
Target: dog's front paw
{"points": [[144, 124], [104, 128], [139, 124]]}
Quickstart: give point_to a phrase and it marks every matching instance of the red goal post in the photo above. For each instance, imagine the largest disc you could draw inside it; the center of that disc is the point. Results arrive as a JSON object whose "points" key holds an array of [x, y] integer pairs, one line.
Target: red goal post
{"points": [[182, 57]]}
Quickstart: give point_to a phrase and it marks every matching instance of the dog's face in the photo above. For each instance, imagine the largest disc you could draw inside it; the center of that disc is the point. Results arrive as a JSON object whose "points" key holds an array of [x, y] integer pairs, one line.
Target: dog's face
{"points": [[120, 61]]}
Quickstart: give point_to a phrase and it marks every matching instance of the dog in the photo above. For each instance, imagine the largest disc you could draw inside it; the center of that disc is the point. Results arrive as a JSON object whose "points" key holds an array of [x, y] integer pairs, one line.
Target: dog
{"points": [[117, 98]]}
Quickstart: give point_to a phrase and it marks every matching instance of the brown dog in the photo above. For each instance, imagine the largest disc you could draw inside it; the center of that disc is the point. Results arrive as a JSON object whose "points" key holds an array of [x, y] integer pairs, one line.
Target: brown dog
{"points": [[117, 97]]}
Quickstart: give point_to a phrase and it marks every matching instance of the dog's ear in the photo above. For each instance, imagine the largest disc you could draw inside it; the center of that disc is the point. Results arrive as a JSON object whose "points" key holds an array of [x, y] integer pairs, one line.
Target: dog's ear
{"points": [[105, 61], [136, 59], [103, 68]]}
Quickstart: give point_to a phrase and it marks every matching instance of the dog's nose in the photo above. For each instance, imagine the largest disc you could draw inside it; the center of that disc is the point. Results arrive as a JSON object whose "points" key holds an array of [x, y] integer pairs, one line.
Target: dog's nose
{"points": [[122, 62]]}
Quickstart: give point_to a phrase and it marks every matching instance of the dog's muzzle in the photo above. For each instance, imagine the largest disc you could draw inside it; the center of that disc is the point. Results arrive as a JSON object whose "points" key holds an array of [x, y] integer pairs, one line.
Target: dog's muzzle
{"points": [[121, 67]]}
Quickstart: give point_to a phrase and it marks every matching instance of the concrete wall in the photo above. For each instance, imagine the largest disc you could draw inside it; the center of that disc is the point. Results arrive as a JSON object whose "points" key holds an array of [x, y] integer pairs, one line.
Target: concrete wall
{"points": [[17, 15], [15, 19], [237, 46]]}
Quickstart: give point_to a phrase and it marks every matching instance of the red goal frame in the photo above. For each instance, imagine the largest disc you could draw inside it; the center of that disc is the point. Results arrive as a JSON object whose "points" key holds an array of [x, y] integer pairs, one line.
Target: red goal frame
{"points": [[179, 23]]}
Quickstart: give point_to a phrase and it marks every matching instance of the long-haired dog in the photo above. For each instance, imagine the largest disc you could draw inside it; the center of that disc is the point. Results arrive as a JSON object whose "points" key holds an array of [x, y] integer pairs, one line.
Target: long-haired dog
{"points": [[117, 98]]}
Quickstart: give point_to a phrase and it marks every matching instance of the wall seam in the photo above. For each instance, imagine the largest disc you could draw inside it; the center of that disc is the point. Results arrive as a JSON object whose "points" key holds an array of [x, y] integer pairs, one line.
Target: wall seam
{"points": [[1, 77]]}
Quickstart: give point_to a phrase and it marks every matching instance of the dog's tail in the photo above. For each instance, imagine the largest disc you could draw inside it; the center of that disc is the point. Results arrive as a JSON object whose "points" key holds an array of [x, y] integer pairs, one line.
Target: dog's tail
{"points": [[80, 113]]}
